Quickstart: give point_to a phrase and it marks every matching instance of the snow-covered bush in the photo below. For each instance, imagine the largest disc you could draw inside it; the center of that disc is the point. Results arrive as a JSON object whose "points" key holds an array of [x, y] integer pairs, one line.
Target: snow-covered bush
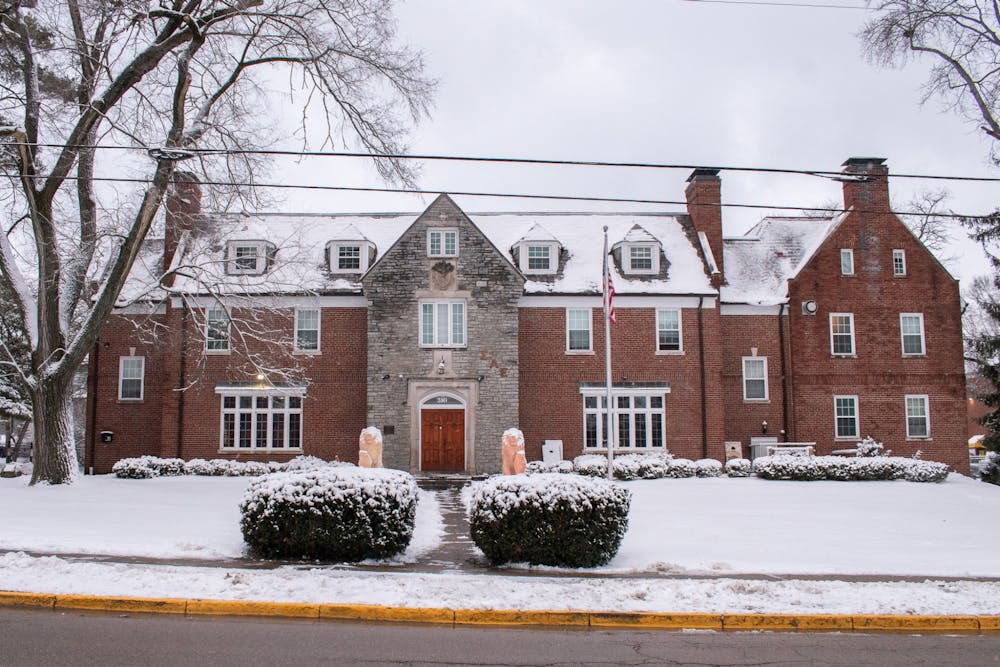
{"points": [[535, 467], [332, 513], [989, 468], [548, 519], [135, 468], [592, 465], [305, 463], [739, 467], [682, 468], [849, 469], [869, 447], [708, 468]]}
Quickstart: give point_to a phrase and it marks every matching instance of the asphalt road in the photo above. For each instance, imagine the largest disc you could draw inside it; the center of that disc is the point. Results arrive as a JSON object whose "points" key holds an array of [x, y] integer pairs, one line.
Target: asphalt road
{"points": [[44, 637]]}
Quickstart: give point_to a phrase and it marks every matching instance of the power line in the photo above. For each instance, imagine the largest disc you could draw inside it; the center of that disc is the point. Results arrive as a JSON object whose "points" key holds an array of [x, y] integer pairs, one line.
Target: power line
{"points": [[512, 195], [780, 4], [531, 161]]}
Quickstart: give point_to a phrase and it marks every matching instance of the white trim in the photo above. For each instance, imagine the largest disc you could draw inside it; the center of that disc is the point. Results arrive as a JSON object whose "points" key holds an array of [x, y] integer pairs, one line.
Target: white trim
{"points": [[857, 418], [654, 256], [902, 336], [300, 301], [749, 309], [141, 378], [523, 258], [600, 412], [767, 395], [229, 332], [253, 411], [142, 308], [927, 416], [680, 330], [442, 231], [333, 255], [590, 331], [621, 301], [319, 330], [854, 348], [847, 257], [260, 257], [902, 254], [451, 303], [706, 248]]}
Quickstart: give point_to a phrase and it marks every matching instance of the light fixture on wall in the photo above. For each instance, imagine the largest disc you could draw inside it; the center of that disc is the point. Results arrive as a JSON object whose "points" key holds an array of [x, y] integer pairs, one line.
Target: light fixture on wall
{"points": [[763, 426], [441, 367], [480, 378], [385, 376]]}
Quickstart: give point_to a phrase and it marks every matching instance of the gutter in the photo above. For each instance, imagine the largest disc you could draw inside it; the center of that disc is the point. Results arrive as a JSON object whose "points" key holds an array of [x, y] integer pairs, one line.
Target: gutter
{"points": [[701, 365]]}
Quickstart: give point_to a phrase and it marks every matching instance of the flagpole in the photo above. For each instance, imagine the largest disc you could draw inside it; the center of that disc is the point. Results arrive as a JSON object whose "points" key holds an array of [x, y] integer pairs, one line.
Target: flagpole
{"points": [[607, 360]]}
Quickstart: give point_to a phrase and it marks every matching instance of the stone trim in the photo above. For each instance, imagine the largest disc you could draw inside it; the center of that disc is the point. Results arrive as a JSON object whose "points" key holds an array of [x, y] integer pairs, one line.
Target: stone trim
{"points": [[466, 391]]}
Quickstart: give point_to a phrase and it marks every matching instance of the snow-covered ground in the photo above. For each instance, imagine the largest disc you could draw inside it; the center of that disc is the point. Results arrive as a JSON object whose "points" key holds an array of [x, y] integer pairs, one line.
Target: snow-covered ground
{"points": [[679, 526]]}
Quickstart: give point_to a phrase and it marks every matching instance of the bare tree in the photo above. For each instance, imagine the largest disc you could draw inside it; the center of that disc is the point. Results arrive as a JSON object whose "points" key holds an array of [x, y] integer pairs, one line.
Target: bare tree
{"points": [[962, 39], [177, 75], [929, 220]]}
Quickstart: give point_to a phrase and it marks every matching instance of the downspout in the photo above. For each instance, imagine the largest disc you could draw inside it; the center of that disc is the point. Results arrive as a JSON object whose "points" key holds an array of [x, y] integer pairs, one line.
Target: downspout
{"points": [[92, 381], [784, 373], [182, 380], [704, 393]]}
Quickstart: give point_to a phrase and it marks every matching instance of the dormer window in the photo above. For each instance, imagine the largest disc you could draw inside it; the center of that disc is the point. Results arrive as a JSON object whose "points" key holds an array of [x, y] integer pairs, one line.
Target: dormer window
{"points": [[641, 259], [538, 257], [246, 257], [349, 256], [442, 243]]}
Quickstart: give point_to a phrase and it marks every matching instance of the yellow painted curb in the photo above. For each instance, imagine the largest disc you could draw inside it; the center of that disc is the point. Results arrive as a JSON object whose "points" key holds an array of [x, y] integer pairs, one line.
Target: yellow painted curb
{"points": [[989, 623], [518, 617], [916, 623], [615, 619], [138, 605], [16, 599], [810, 622], [252, 608], [369, 612]]}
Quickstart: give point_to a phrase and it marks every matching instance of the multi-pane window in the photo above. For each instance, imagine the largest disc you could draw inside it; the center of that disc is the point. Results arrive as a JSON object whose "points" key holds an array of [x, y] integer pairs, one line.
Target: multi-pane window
{"points": [[754, 378], [899, 262], [216, 330], [442, 242], [846, 262], [307, 329], [131, 375], [539, 258], [442, 324], [637, 417], [845, 410], [349, 258], [246, 257], [261, 421], [578, 321], [668, 331], [842, 333], [918, 423], [911, 328], [640, 259]]}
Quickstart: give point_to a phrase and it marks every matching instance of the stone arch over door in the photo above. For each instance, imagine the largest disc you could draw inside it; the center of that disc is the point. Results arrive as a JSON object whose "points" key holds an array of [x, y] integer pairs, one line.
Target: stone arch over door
{"points": [[427, 396]]}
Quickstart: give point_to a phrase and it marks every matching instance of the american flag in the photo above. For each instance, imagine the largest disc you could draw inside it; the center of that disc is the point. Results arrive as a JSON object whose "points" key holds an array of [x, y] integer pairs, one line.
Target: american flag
{"points": [[611, 296]]}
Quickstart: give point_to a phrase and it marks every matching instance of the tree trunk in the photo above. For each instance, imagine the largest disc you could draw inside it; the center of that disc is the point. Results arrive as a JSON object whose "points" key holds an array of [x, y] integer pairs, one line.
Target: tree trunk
{"points": [[54, 454]]}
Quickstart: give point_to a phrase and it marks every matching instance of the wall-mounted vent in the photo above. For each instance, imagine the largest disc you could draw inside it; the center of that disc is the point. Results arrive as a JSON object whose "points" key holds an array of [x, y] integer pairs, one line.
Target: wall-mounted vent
{"points": [[810, 307]]}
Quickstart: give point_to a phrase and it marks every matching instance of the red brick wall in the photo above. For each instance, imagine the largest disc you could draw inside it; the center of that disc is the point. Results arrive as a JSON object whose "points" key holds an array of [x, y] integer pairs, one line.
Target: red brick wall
{"points": [[333, 411], [550, 399]]}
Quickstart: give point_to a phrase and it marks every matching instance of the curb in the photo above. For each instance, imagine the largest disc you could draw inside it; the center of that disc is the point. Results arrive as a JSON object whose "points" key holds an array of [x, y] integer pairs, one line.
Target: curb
{"points": [[608, 620]]}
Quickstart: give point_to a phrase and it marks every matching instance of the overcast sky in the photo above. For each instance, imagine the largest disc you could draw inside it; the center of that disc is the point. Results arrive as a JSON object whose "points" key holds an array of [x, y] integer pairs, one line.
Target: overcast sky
{"points": [[664, 81]]}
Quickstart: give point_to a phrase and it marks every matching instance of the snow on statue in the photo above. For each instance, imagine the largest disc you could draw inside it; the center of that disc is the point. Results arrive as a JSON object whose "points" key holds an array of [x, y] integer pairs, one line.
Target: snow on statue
{"points": [[512, 452], [370, 448]]}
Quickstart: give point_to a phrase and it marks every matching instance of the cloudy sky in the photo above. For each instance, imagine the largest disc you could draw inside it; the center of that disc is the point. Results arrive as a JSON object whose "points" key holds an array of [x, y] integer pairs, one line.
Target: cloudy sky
{"points": [[664, 81]]}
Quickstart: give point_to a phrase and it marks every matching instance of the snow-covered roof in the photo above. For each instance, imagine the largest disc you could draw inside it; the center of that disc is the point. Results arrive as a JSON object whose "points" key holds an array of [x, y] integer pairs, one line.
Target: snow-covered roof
{"points": [[299, 264], [759, 264]]}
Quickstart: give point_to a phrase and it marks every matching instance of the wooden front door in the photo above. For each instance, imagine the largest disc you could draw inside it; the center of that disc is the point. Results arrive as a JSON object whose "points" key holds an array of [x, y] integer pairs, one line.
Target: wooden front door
{"points": [[442, 440]]}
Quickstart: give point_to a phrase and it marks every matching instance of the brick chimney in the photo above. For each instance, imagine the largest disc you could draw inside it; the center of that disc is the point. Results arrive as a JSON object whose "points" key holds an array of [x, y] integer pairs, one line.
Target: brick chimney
{"points": [[866, 187], [182, 209], [704, 198]]}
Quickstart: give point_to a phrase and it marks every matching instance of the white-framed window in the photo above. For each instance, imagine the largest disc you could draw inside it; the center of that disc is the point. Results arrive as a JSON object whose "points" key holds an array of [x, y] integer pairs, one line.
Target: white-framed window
{"points": [[846, 262], [131, 378], [755, 379], [845, 415], [578, 330], [668, 330], [307, 323], [899, 262], [538, 257], [638, 416], [348, 256], [918, 418], [911, 330], [641, 258], [217, 330], [442, 323], [246, 257], [260, 420], [842, 334], [442, 242]]}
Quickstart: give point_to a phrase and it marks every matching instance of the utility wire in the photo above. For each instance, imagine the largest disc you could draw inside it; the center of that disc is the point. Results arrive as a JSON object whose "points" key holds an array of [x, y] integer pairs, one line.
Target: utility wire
{"points": [[512, 195], [780, 4], [534, 161]]}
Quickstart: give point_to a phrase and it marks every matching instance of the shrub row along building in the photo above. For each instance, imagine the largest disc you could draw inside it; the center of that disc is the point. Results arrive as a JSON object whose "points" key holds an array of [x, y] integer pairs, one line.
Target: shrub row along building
{"points": [[264, 336]]}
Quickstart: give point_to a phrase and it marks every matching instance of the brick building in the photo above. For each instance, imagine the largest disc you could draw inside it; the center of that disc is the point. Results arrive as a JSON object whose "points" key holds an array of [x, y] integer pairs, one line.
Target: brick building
{"points": [[265, 336]]}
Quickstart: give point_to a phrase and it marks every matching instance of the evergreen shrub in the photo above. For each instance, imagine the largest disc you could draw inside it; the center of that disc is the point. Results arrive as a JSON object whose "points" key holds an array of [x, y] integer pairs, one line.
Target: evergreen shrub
{"points": [[989, 468], [548, 519], [708, 468], [333, 513], [739, 467], [863, 468]]}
